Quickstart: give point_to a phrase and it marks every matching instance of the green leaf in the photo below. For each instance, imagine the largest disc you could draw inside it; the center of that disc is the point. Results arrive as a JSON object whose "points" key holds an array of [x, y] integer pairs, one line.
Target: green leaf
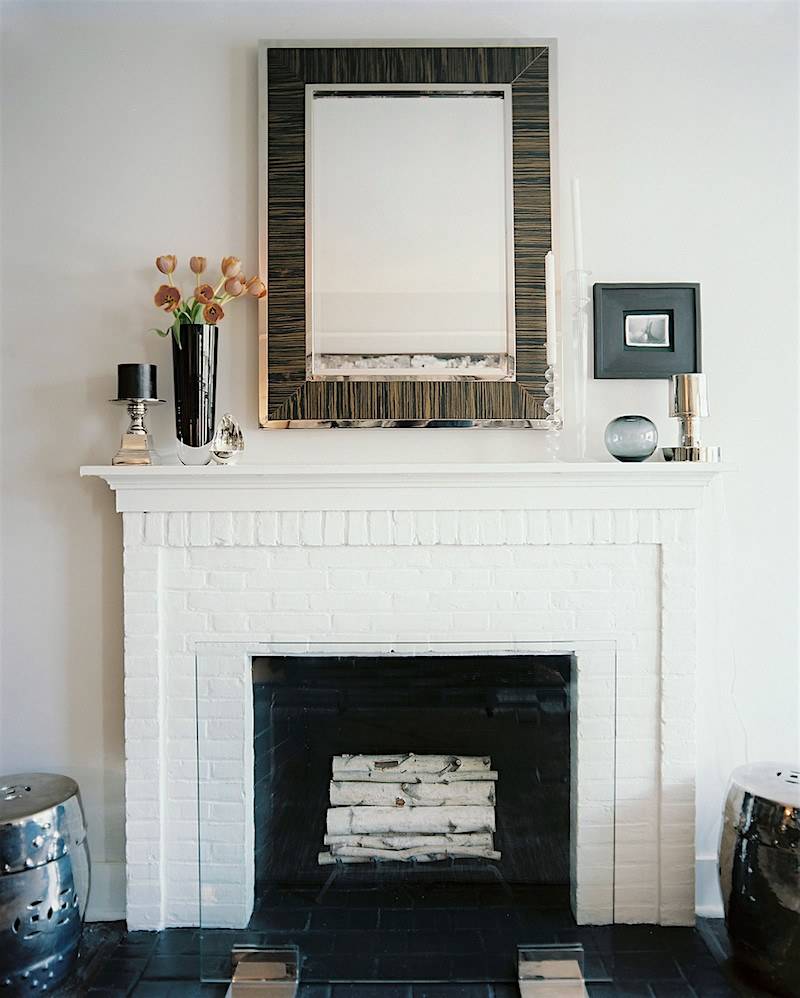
{"points": [[176, 332], [161, 332]]}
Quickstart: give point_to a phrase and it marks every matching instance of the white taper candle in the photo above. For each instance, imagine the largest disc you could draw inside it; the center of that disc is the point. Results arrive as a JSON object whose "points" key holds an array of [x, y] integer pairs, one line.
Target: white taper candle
{"points": [[550, 306], [577, 223]]}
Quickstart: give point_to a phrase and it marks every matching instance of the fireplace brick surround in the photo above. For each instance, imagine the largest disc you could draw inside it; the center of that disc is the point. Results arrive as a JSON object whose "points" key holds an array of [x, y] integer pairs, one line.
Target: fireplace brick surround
{"points": [[583, 554]]}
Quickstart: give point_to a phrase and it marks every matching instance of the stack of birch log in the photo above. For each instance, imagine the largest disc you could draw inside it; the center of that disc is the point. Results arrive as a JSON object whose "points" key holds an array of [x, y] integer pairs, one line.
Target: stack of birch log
{"points": [[403, 808]]}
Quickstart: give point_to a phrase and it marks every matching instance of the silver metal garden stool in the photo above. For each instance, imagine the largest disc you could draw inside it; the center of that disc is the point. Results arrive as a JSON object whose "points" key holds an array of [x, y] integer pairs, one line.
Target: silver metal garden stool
{"points": [[44, 880]]}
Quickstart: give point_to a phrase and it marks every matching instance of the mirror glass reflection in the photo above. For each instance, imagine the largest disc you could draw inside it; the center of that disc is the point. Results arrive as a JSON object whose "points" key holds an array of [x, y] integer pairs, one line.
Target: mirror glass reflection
{"points": [[409, 233]]}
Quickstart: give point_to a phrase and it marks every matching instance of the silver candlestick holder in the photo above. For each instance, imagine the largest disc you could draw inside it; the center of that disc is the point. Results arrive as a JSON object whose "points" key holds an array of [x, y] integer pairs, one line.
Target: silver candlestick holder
{"points": [[136, 446], [688, 402]]}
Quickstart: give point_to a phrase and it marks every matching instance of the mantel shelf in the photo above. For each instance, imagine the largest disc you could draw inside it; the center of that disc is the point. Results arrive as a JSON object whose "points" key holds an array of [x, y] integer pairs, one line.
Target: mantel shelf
{"points": [[589, 485]]}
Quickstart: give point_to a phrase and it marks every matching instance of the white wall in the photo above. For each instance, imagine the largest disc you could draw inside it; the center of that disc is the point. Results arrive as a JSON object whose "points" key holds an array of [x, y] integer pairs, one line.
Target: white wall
{"points": [[130, 130]]}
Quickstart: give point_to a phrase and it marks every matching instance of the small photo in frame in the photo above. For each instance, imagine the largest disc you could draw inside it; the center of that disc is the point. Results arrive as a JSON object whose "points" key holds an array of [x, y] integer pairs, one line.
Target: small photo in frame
{"points": [[646, 330]]}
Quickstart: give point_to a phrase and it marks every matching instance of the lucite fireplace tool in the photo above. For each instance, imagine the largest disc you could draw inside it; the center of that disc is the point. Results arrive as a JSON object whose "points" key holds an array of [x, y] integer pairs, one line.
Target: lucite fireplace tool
{"points": [[688, 402], [136, 389], [551, 971], [264, 972]]}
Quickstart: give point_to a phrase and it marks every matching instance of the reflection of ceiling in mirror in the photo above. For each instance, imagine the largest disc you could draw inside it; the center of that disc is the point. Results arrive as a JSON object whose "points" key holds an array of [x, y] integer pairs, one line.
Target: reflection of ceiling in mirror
{"points": [[408, 219]]}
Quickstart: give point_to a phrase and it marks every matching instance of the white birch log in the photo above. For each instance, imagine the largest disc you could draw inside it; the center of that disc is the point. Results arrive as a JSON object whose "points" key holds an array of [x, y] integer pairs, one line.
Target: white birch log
{"points": [[420, 853], [434, 820], [410, 763], [392, 776], [483, 840], [345, 794], [326, 859]]}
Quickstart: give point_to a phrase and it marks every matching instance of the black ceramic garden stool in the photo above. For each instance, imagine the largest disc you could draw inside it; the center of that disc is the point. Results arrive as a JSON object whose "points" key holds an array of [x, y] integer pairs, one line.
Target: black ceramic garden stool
{"points": [[44, 881], [759, 870]]}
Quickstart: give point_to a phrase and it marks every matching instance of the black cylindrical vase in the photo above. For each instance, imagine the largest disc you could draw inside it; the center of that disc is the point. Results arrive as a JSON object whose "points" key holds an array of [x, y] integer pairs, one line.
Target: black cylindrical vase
{"points": [[194, 371]]}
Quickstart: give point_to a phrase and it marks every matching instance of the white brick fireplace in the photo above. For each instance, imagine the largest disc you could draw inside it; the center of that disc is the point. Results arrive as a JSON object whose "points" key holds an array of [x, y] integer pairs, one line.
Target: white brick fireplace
{"points": [[599, 558]]}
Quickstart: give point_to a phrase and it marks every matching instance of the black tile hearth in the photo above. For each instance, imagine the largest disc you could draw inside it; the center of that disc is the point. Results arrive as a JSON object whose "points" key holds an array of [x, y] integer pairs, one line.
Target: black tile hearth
{"points": [[641, 961], [714, 935], [406, 933], [100, 941]]}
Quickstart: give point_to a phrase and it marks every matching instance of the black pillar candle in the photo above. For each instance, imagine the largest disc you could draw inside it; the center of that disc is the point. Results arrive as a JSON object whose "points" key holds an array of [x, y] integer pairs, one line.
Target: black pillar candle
{"points": [[136, 381]]}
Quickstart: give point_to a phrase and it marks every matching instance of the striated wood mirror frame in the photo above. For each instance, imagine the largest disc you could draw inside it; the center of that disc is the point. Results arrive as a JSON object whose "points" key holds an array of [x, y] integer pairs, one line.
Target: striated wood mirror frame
{"points": [[288, 397]]}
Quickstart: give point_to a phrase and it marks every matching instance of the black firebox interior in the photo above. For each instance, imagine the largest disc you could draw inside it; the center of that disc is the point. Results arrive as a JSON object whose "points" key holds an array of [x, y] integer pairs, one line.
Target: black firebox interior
{"points": [[512, 708]]}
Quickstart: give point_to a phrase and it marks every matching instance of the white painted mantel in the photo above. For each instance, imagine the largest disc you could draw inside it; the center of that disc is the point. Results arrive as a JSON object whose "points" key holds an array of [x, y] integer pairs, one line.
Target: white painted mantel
{"points": [[590, 485], [486, 554]]}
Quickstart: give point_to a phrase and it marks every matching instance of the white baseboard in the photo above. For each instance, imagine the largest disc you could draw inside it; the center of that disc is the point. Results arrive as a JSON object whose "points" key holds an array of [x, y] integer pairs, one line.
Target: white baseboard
{"points": [[708, 900], [107, 894]]}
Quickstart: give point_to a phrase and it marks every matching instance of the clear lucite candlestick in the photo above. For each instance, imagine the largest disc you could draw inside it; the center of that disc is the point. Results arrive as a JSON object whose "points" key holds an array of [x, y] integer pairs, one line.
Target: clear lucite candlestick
{"points": [[552, 406], [577, 347]]}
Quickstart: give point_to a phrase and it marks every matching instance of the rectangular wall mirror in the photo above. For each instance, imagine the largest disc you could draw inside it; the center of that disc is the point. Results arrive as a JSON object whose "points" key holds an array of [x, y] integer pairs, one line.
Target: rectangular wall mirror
{"points": [[405, 221], [409, 232]]}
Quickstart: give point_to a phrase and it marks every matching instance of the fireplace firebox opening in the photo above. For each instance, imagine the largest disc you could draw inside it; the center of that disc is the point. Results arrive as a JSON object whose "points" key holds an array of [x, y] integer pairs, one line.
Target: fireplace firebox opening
{"points": [[500, 723]]}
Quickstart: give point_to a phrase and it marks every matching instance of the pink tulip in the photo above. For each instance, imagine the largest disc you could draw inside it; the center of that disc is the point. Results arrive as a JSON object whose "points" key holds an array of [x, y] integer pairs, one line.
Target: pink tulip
{"points": [[213, 312], [166, 264], [256, 287], [231, 265], [167, 297]]}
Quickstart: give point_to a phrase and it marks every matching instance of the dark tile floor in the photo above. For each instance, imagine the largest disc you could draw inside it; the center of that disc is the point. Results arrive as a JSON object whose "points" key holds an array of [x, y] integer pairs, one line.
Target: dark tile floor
{"points": [[636, 961]]}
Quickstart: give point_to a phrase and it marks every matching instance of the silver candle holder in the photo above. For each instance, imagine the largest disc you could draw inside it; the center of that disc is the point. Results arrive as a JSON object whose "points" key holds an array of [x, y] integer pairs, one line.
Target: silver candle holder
{"points": [[136, 446], [688, 402]]}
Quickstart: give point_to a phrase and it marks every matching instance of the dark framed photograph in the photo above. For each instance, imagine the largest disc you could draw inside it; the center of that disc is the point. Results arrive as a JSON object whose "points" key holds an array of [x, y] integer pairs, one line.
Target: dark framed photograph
{"points": [[646, 330]]}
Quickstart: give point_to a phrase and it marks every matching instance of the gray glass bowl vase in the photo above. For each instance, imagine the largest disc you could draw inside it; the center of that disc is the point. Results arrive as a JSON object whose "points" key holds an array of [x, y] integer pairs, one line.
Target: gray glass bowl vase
{"points": [[631, 438]]}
